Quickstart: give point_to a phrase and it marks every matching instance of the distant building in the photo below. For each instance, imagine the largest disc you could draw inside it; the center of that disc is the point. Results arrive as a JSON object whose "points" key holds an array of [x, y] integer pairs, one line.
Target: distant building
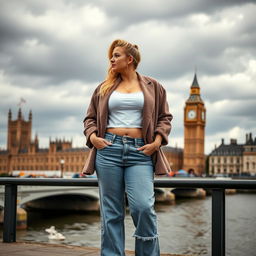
{"points": [[233, 158], [23, 153], [194, 131], [249, 155]]}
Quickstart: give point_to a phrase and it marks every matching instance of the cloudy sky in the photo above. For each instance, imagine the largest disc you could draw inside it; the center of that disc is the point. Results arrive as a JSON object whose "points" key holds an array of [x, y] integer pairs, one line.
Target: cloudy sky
{"points": [[54, 53]]}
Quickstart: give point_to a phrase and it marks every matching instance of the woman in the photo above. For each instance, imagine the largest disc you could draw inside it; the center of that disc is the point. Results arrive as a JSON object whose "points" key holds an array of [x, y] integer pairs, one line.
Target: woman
{"points": [[126, 124]]}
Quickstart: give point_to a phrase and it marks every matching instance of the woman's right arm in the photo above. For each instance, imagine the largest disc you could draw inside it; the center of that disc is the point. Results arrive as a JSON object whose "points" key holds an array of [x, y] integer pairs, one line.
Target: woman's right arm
{"points": [[90, 120], [90, 125]]}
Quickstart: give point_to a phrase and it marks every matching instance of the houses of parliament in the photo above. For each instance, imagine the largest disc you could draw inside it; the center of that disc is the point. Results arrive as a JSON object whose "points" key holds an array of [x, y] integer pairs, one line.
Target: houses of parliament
{"points": [[24, 154]]}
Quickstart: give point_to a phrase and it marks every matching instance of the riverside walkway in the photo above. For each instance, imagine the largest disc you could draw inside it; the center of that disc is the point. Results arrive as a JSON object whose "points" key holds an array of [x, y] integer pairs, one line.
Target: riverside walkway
{"points": [[217, 187], [38, 249]]}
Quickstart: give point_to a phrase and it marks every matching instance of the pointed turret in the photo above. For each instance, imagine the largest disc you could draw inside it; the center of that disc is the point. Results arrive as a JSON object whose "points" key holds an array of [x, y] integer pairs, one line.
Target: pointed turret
{"points": [[195, 83], [30, 116], [36, 138], [10, 115], [195, 91], [19, 114]]}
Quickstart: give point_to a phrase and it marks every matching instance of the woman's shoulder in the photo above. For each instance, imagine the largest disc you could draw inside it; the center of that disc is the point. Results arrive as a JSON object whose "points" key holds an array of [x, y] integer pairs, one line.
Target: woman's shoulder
{"points": [[99, 85], [97, 89], [151, 80], [148, 79]]}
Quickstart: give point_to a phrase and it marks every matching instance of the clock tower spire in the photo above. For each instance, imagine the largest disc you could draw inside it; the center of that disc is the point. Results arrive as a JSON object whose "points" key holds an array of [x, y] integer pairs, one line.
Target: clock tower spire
{"points": [[194, 125]]}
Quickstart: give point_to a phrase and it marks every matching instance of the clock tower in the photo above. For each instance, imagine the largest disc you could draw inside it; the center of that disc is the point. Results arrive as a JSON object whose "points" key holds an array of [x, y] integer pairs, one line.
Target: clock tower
{"points": [[194, 125]]}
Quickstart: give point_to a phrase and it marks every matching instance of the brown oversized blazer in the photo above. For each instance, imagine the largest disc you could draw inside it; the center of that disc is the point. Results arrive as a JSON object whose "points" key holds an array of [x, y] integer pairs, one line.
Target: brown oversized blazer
{"points": [[156, 118]]}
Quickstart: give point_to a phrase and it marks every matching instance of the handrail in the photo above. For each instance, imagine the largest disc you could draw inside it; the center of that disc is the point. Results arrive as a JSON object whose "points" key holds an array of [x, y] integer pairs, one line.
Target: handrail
{"points": [[158, 182], [218, 187]]}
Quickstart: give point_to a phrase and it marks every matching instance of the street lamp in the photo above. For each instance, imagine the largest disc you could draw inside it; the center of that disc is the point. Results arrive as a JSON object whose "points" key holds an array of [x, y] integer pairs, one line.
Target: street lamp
{"points": [[62, 162]]}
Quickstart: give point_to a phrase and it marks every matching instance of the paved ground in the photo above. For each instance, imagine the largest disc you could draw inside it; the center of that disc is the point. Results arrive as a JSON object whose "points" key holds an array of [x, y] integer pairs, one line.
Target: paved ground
{"points": [[43, 249]]}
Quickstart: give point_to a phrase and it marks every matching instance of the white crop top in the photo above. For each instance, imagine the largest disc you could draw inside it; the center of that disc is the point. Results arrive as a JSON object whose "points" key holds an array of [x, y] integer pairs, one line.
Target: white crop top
{"points": [[125, 109]]}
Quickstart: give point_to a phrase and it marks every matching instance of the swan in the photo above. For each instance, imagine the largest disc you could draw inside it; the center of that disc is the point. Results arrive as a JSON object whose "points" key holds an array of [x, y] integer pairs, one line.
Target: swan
{"points": [[53, 234]]}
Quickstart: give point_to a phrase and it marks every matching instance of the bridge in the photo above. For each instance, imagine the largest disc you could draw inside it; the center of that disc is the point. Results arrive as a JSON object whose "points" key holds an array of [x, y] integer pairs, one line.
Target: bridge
{"points": [[66, 198], [48, 197]]}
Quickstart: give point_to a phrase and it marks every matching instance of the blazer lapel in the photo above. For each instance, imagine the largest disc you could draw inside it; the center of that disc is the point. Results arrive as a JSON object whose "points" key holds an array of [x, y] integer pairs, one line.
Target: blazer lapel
{"points": [[149, 103], [103, 107]]}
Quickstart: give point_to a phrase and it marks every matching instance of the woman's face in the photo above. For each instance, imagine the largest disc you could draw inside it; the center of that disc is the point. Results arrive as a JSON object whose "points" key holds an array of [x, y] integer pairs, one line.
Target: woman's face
{"points": [[119, 60]]}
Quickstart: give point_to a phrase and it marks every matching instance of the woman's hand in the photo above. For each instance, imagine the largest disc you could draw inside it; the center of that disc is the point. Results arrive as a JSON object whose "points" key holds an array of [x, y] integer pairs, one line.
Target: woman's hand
{"points": [[99, 142], [149, 149]]}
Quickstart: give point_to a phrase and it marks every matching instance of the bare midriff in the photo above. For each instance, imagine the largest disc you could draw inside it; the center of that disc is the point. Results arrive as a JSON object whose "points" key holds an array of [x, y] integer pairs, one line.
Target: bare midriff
{"points": [[131, 132]]}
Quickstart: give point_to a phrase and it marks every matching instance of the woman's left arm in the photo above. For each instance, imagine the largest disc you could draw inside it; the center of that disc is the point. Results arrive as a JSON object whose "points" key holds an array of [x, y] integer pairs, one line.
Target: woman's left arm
{"points": [[163, 125]]}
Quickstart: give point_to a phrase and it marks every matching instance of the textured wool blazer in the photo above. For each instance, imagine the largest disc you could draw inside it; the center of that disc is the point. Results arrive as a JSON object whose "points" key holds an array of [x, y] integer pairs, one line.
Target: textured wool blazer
{"points": [[156, 119]]}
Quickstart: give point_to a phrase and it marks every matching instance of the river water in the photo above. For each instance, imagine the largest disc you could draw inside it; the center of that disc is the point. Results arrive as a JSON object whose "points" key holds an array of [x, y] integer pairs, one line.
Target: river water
{"points": [[184, 227]]}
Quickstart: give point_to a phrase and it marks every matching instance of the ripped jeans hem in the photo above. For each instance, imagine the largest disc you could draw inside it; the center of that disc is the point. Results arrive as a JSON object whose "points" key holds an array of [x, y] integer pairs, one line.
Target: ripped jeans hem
{"points": [[146, 238]]}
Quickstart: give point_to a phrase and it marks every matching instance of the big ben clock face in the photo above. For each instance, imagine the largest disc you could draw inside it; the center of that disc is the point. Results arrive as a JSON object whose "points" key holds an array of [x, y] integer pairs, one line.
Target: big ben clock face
{"points": [[191, 114]]}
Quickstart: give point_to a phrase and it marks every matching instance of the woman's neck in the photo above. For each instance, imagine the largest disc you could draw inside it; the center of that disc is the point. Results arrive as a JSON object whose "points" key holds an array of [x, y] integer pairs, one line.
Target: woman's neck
{"points": [[129, 76]]}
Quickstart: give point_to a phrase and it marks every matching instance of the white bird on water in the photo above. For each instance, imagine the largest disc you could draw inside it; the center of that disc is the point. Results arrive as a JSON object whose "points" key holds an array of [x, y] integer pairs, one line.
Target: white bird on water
{"points": [[53, 234]]}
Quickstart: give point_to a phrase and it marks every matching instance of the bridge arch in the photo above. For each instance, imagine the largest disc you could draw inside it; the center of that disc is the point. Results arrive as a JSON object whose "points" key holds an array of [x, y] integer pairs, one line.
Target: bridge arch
{"points": [[64, 201], [31, 197]]}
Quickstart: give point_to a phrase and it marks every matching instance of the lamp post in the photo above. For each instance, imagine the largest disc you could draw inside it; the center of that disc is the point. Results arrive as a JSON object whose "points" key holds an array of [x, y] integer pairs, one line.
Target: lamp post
{"points": [[62, 162]]}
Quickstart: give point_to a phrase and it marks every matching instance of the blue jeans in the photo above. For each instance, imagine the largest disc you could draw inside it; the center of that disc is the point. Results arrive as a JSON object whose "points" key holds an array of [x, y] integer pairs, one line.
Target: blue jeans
{"points": [[121, 168]]}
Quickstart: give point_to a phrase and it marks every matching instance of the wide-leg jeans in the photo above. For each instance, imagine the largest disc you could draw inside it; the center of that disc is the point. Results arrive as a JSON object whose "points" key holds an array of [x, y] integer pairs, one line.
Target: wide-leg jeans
{"points": [[122, 168]]}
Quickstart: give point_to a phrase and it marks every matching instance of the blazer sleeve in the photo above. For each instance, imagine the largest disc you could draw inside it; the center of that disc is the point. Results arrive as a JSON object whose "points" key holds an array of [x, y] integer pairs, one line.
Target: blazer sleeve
{"points": [[163, 126], [90, 120]]}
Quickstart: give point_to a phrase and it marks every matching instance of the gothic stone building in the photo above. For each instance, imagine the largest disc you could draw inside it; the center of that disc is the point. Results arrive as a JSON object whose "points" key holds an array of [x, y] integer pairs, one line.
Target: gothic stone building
{"points": [[24, 154], [233, 158]]}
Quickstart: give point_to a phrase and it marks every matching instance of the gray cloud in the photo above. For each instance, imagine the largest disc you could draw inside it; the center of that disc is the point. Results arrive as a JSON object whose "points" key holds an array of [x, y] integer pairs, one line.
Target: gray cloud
{"points": [[55, 53]]}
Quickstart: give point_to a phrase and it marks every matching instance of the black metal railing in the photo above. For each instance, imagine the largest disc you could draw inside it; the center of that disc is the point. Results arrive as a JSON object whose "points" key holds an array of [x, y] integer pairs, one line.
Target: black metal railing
{"points": [[218, 200]]}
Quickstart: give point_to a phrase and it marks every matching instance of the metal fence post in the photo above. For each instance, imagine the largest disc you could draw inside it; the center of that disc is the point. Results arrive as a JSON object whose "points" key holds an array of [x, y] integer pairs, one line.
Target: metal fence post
{"points": [[218, 222], [10, 206]]}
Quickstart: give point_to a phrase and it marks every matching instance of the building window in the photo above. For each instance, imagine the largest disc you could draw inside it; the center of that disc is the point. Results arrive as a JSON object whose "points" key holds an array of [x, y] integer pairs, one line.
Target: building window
{"points": [[231, 159], [225, 170], [253, 165], [237, 160], [225, 160], [247, 166], [218, 160]]}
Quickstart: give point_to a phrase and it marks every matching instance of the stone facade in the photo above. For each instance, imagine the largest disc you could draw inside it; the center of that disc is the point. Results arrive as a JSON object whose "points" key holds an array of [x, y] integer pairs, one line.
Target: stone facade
{"points": [[234, 158]]}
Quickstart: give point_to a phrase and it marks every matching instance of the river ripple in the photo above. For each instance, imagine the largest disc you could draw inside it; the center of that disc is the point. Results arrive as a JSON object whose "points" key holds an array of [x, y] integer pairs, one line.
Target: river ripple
{"points": [[184, 228]]}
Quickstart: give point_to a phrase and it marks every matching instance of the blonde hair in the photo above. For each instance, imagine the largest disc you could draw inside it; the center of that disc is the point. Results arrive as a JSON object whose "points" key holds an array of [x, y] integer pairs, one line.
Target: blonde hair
{"points": [[131, 50]]}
